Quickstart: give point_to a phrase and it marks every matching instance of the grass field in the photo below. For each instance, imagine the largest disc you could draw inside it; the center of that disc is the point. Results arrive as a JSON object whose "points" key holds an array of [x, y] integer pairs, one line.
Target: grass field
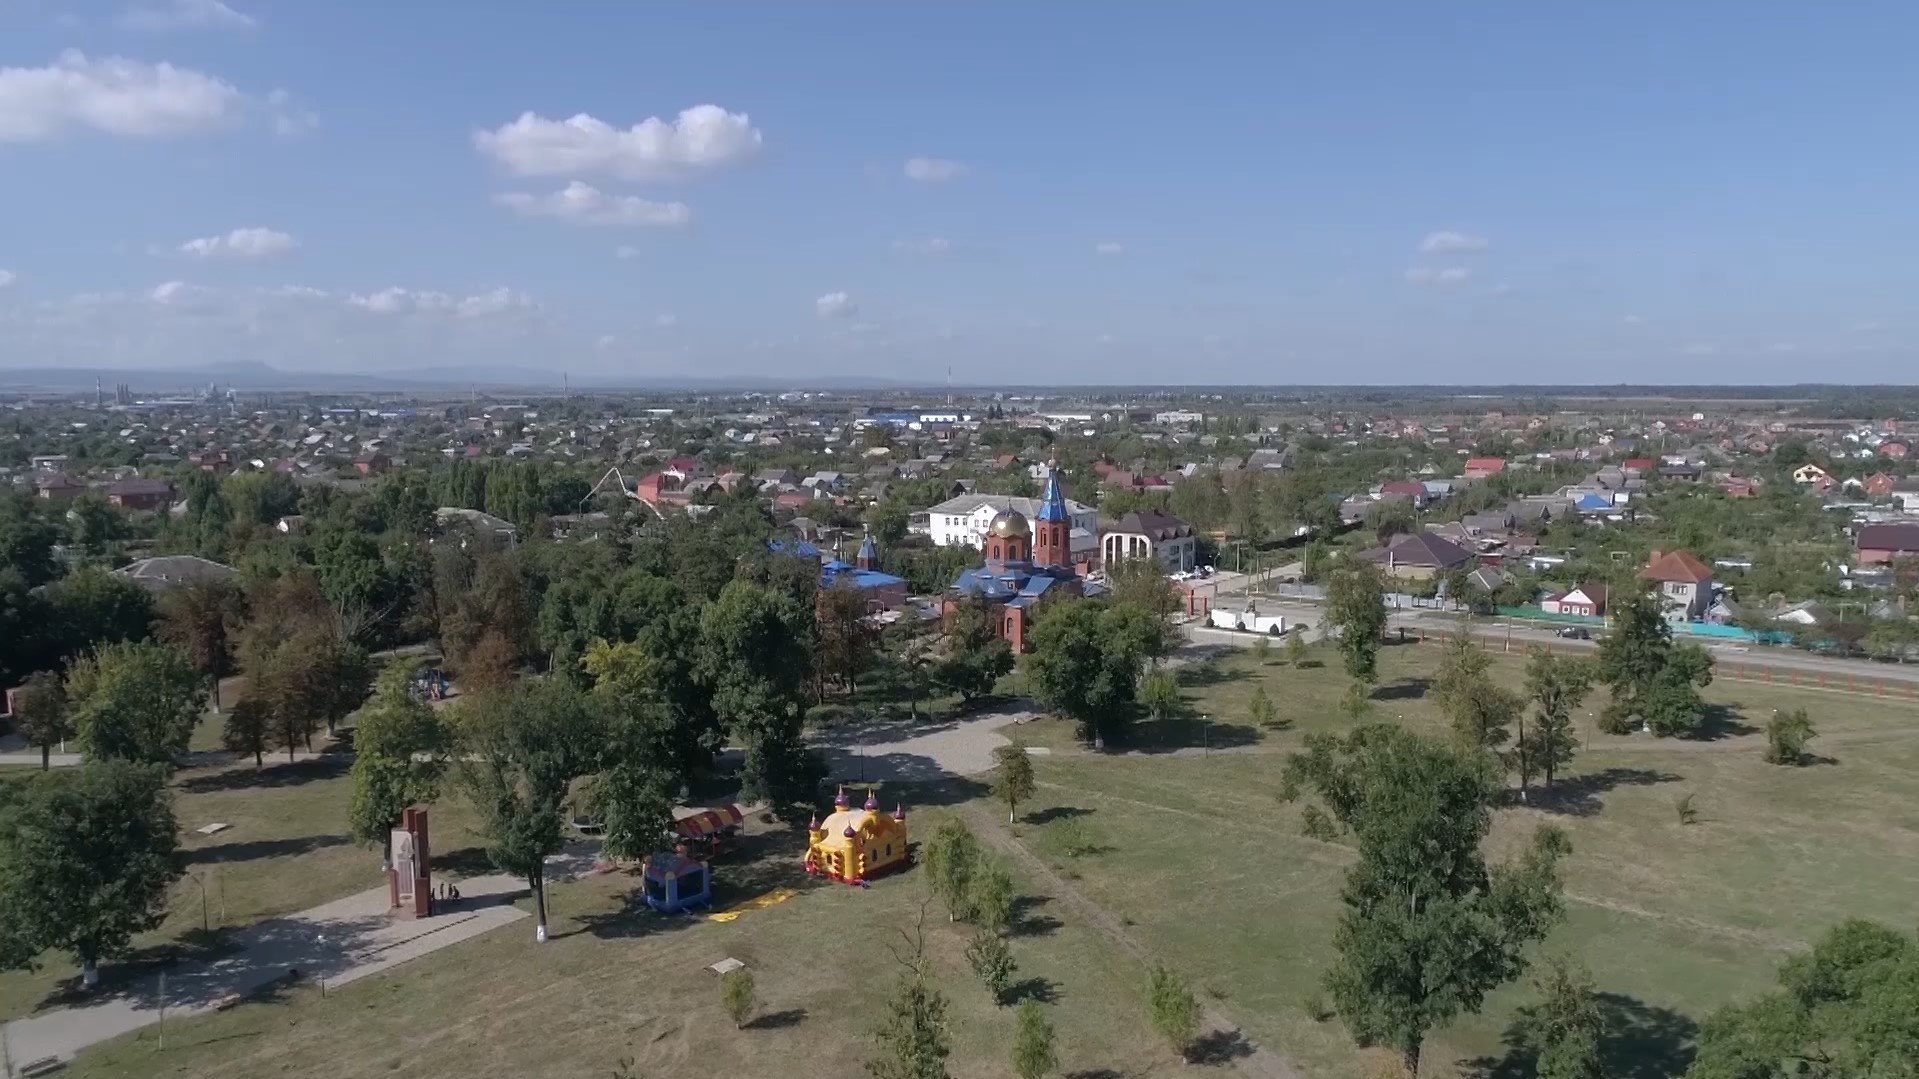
{"points": [[1198, 851], [618, 984]]}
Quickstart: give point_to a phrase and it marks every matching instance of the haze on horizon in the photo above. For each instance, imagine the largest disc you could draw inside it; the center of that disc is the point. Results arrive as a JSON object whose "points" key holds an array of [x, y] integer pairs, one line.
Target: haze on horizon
{"points": [[1636, 193]]}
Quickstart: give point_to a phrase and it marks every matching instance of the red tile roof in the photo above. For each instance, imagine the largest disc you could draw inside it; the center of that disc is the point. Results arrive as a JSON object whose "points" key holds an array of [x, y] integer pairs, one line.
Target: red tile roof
{"points": [[1675, 566]]}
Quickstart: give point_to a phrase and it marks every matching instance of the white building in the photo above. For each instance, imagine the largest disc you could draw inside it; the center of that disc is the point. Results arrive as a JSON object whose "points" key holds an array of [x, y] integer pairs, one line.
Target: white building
{"points": [[962, 521], [1177, 416], [1147, 534]]}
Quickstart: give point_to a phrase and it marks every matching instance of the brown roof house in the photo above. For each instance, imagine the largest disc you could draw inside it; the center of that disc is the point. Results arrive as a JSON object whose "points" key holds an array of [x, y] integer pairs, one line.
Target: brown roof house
{"points": [[1418, 556], [1884, 543], [1682, 582], [1150, 534], [141, 494]]}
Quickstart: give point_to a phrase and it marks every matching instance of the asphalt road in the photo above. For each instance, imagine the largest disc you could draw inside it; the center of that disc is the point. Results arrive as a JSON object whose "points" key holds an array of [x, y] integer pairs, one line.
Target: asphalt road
{"points": [[1519, 635]]}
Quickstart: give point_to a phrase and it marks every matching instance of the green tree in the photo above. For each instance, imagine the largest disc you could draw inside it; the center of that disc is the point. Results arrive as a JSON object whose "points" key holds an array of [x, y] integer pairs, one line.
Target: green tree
{"points": [[92, 607], [992, 962], [1563, 1030], [1557, 686], [1260, 708], [736, 995], [1085, 665], [1848, 1009], [1357, 702], [248, 729], [1652, 680], [1427, 930], [1159, 695], [1462, 671], [136, 702], [1355, 603], [951, 858], [1295, 648], [913, 1041], [847, 639], [88, 856], [27, 540], [975, 657], [1174, 1009], [199, 619], [989, 895], [523, 749], [1787, 736], [1262, 650], [1013, 780], [757, 668], [42, 715], [644, 764], [1141, 584], [400, 751], [1034, 1056]]}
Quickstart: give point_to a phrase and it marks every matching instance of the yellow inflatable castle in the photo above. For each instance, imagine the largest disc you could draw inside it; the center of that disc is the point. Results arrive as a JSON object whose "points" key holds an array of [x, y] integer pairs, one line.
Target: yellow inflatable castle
{"points": [[852, 845]]}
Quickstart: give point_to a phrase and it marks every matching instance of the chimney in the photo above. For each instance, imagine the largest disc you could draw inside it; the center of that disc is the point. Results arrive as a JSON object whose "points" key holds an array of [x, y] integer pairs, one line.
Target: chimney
{"points": [[1653, 555]]}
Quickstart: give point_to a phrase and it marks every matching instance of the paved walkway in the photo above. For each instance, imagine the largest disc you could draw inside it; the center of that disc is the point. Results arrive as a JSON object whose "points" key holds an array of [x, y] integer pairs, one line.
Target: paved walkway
{"points": [[903, 749], [333, 944]]}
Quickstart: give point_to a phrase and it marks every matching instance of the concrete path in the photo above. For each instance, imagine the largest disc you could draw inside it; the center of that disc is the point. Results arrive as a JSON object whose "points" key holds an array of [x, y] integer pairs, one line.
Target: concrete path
{"points": [[330, 945]]}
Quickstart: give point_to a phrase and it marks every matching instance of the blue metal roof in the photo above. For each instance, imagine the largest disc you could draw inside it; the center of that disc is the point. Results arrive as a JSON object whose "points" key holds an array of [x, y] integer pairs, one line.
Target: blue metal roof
{"points": [[797, 548], [1052, 505]]}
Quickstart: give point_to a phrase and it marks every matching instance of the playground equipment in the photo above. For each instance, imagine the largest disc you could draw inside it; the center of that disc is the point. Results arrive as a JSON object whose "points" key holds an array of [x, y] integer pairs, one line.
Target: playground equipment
{"points": [[854, 845]]}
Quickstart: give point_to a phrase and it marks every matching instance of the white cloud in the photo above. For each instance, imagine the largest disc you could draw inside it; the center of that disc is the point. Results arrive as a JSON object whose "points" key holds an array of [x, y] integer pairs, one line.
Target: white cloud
{"points": [[170, 292], [583, 204], [251, 243], [8, 278], [835, 305], [289, 118], [1633, 320], [1447, 242], [1438, 275], [933, 170], [626, 251], [115, 96], [700, 138], [931, 245], [607, 340], [666, 320], [1701, 348], [395, 301], [186, 15], [1109, 247]]}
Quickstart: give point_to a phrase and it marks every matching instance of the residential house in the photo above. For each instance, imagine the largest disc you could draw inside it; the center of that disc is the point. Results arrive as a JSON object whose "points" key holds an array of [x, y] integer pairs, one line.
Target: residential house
{"points": [[214, 461], [1893, 449], [1683, 582], [962, 520], [1150, 534], [168, 572], [372, 464], [1410, 490], [1479, 468], [1588, 599], [1878, 485], [146, 496], [1880, 543], [1810, 474], [1418, 556], [57, 487]]}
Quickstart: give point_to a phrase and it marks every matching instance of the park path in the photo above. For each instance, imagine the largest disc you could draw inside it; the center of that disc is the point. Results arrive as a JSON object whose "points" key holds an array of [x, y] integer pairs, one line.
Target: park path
{"points": [[328, 946], [1257, 1061]]}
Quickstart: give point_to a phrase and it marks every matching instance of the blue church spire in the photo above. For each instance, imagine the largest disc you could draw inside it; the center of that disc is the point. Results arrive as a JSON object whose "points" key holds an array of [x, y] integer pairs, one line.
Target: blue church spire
{"points": [[1052, 506], [868, 558]]}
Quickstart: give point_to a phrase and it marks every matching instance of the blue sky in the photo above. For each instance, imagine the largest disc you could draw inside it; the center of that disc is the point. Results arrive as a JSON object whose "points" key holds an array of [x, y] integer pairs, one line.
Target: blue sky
{"points": [[1266, 193]]}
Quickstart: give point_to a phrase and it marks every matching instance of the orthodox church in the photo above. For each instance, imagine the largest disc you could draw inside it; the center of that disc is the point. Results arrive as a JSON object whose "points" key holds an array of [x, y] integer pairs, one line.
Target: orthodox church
{"points": [[1026, 561]]}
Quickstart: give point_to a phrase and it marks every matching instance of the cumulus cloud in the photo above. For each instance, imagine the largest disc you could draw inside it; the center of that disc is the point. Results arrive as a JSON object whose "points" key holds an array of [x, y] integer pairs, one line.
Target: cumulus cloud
{"points": [[8, 278], [1109, 247], [701, 138], [395, 301], [250, 243], [186, 15], [933, 170], [930, 245], [582, 204], [1438, 275], [835, 305], [1446, 242], [115, 96]]}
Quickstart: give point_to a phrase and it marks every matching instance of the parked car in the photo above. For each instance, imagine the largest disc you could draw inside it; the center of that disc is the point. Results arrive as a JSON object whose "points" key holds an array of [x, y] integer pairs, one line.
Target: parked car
{"points": [[1576, 633]]}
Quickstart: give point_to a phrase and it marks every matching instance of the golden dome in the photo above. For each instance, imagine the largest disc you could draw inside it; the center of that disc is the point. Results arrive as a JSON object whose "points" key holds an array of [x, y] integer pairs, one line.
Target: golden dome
{"points": [[1009, 522]]}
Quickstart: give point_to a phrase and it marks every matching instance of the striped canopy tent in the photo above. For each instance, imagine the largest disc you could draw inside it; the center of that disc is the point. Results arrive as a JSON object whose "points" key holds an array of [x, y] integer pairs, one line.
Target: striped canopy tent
{"points": [[708, 822]]}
